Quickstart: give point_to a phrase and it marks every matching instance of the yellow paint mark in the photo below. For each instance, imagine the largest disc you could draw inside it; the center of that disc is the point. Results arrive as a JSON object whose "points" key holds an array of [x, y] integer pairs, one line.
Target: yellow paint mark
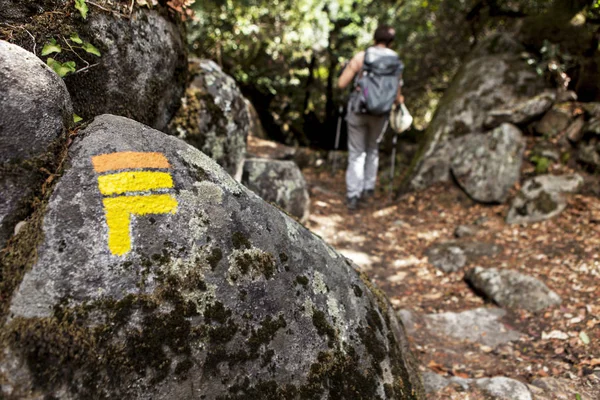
{"points": [[118, 216], [134, 181], [129, 160]]}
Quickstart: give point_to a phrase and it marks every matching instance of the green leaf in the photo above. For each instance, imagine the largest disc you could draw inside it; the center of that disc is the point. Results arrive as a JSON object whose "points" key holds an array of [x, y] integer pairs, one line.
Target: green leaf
{"points": [[584, 338], [51, 47], [61, 69], [82, 7], [77, 118], [91, 49], [577, 396], [75, 38]]}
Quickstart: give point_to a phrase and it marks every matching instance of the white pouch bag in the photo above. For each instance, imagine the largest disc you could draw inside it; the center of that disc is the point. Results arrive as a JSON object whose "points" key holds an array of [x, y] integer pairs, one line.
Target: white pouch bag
{"points": [[400, 118]]}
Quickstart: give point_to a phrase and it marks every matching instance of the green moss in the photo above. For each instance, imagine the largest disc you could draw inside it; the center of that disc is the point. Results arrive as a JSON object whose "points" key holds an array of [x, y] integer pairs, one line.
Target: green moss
{"points": [[265, 334], [323, 327], [216, 255], [283, 257], [544, 203], [253, 263], [240, 241], [302, 280]]}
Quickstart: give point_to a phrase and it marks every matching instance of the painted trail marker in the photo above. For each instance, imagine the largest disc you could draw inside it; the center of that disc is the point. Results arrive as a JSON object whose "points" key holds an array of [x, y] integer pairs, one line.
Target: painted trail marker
{"points": [[128, 193]]}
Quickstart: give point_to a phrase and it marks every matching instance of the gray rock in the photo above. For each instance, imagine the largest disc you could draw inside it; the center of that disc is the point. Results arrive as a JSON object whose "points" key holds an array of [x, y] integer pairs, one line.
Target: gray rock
{"points": [[447, 257], [214, 117], [512, 289], [591, 109], [521, 113], [502, 388], [588, 153], [207, 292], [279, 182], [487, 166], [35, 112], [566, 96], [542, 198], [558, 389], [256, 128], [434, 382], [142, 71], [553, 122], [453, 255], [463, 231], [260, 148], [483, 83], [481, 325], [575, 130]]}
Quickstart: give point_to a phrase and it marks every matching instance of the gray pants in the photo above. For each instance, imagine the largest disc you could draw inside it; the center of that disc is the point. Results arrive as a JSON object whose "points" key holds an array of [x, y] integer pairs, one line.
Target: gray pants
{"points": [[363, 153]]}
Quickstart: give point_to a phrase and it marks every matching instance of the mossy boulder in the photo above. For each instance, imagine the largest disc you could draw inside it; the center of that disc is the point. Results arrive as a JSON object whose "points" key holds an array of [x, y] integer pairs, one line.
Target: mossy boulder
{"points": [[141, 72], [35, 113], [154, 274], [542, 198], [485, 82], [487, 166], [214, 116], [279, 182]]}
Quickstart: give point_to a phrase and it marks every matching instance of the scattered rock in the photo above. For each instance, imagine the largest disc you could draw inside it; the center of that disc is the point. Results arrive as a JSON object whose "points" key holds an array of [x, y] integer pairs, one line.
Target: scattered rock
{"points": [[142, 71], [36, 112], [512, 289], [566, 96], [501, 388], [434, 382], [207, 284], [214, 117], [489, 79], [278, 182], [482, 325], [487, 166], [545, 150], [522, 112], [575, 130], [588, 153], [542, 198], [476, 250], [553, 122], [463, 231], [447, 257]]}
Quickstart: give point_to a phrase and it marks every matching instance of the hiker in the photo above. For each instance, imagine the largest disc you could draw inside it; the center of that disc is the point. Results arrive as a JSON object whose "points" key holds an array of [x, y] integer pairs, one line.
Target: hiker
{"points": [[377, 77]]}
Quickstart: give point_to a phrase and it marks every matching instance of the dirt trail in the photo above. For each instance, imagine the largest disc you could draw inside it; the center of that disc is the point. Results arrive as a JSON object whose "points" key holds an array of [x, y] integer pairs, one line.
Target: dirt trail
{"points": [[388, 240]]}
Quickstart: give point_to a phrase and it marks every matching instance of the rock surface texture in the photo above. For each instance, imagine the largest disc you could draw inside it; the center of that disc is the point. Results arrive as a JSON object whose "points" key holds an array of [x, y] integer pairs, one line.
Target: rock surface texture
{"points": [[488, 166], [141, 69], [542, 198], [493, 77], [158, 276], [35, 112], [214, 117], [512, 289], [279, 182]]}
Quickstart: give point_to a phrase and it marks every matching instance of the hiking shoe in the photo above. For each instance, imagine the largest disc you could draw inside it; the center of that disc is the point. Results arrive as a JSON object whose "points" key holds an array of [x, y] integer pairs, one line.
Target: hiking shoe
{"points": [[368, 194], [352, 203]]}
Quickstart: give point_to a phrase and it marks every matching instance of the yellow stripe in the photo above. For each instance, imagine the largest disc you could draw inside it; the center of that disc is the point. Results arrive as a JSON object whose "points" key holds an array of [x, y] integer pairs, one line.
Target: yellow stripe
{"points": [[118, 216], [129, 160], [136, 181]]}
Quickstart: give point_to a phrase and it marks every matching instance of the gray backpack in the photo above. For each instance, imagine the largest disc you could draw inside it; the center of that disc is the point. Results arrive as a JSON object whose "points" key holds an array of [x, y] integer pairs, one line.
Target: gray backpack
{"points": [[378, 81]]}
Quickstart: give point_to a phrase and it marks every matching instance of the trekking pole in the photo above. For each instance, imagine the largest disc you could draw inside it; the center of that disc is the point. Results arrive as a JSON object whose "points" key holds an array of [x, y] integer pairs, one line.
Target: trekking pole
{"points": [[337, 141], [394, 141]]}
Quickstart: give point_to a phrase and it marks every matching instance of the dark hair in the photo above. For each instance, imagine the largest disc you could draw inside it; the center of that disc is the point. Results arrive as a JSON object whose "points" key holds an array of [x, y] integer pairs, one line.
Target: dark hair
{"points": [[384, 34]]}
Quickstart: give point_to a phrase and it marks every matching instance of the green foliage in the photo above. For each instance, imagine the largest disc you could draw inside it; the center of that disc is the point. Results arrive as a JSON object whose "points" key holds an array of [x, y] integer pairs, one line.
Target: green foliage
{"points": [[542, 164], [75, 38], [77, 118], [51, 47], [62, 69], [89, 48], [82, 7]]}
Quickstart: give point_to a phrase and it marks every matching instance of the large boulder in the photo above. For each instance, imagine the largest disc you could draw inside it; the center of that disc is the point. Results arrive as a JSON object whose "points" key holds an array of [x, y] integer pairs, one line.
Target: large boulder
{"points": [[278, 182], [142, 68], [509, 288], [35, 112], [151, 273], [487, 166], [542, 198], [493, 77], [214, 117]]}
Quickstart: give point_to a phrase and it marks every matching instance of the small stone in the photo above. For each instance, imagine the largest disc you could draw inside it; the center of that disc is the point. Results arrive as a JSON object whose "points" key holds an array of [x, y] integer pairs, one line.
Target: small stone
{"points": [[19, 227], [566, 96], [434, 382], [553, 122], [575, 130], [462, 231], [446, 257], [523, 112], [502, 388], [512, 289]]}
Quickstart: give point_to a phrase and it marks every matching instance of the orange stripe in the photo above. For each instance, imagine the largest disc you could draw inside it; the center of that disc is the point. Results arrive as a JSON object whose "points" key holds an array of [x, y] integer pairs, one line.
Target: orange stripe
{"points": [[129, 160]]}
